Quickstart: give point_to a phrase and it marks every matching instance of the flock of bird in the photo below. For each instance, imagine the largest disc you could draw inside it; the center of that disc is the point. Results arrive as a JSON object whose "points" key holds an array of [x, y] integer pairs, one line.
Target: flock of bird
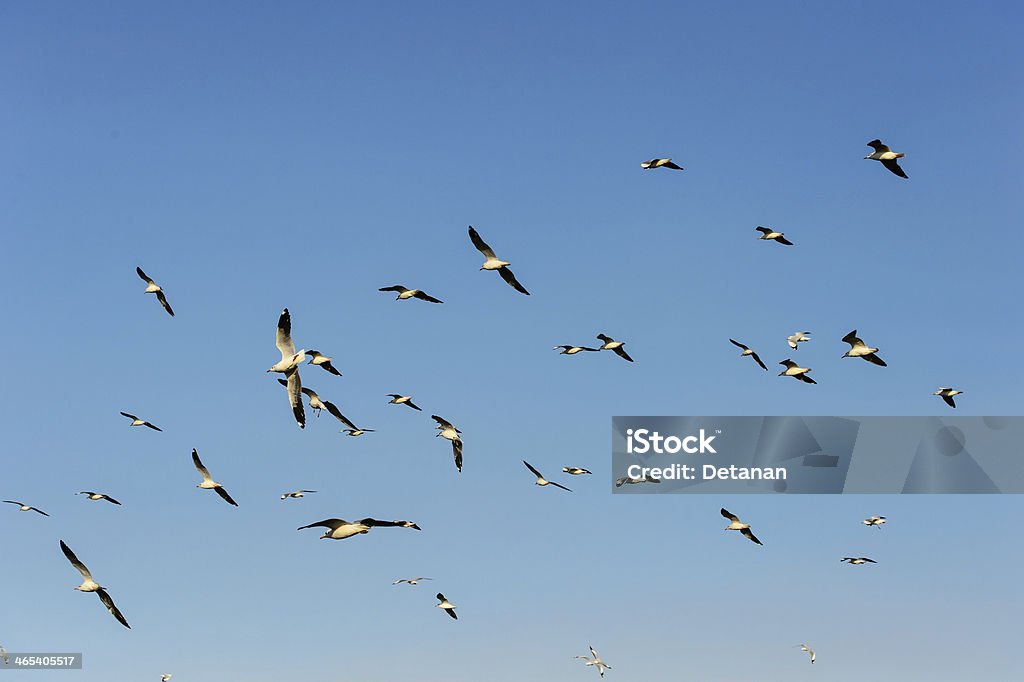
{"points": [[292, 360]]}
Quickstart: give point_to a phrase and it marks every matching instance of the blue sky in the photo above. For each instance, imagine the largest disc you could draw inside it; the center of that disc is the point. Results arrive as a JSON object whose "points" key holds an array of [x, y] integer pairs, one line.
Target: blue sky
{"points": [[253, 156]]}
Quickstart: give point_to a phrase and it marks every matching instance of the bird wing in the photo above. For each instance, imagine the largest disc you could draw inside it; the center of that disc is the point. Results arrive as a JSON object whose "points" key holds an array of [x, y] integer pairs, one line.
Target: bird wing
{"points": [[326, 523], [294, 387], [783, 240], [750, 536], [443, 423], [729, 515], [480, 244], [283, 340], [559, 485], [738, 344], [620, 351], [806, 379], [413, 406], [870, 561], [336, 413], [330, 368], [457, 452], [672, 165], [758, 361], [763, 230], [163, 301], [386, 524], [535, 472], [395, 287], [130, 416], [224, 496], [75, 562], [451, 612], [38, 511], [155, 428], [894, 167], [144, 276], [874, 360], [949, 400], [13, 502], [507, 275], [878, 146], [199, 465], [424, 296], [852, 339], [110, 499], [114, 611]]}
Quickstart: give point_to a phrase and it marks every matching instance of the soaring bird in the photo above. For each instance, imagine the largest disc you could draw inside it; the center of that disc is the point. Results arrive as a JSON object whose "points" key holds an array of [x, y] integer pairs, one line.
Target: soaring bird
{"points": [[154, 288], [541, 481], [736, 524], [296, 494], [875, 521], [857, 560], [947, 395], [747, 351], [886, 156], [140, 422], [492, 262], [322, 361], [90, 585], [659, 163], [24, 507], [608, 343], [768, 233], [448, 607], [289, 366], [629, 480], [404, 293], [573, 350], [796, 371], [809, 650], [410, 581], [208, 482], [99, 496], [448, 431], [859, 349], [356, 432], [316, 403], [797, 338], [397, 399], [596, 661], [575, 471], [165, 677], [341, 529]]}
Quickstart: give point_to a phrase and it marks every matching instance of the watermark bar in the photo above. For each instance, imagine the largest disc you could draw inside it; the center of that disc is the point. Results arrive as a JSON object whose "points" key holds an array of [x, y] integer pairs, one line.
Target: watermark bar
{"points": [[831, 455], [40, 661]]}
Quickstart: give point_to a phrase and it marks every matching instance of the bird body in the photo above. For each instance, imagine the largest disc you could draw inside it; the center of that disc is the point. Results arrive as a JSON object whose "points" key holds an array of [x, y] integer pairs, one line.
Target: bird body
{"points": [[99, 496], [887, 157], [608, 343], [797, 338], [322, 361], [404, 293], [947, 395], [575, 471], [397, 399], [339, 529], [768, 233], [796, 371], [297, 494], [659, 163], [875, 521], [448, 607], [857, 560], [859, 349], [743, 528]]}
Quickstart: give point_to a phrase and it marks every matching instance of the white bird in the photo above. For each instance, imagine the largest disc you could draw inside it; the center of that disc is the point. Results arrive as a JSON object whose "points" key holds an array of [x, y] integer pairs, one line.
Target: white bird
{"points": [[857, 560], [798, 337], [448, 431], [809, 650], [768, 233], [596, 661], [628, 480], [796, 371], [296, 494], [322, 361], [886, 156], [404, 294], [736, 524], [410, 581], [154, 288], [659, 163], [947, 395], [90, 585], [289, 366], [448, 607], [316, 403], [140, 422], [859, 349], [608, 343], [541, 481], [341, 529], [573, 350], [876, 521], [397, 399], [356, 432], [575, 471], [747, 351], [99, 496], [4, 656], [208, 482], [25, 507], [492, 262], [165, 677]]}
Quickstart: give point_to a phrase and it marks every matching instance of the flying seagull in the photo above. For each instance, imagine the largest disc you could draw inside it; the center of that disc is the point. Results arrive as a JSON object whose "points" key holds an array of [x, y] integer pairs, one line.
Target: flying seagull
{"points": [[492, 262], [356, 432], [608, 343], [628, 480], [886, 156], [575, 471], [140, 422], [165, 677], [876, 521], [316, 403], [397, 399], [768, 233], [289, 366], [297, 494], [659, 163], [208, 483], [4, 656], [595, 660], [323, 362], [24, 507], [573, 350], [859, 349], [736, 524], [809, 650], [747, 351], [798, 337], [90, 585], [796, 371], [341, 529], [448, 607], [857, 560], [448, 431], [154, 288], [99, 496], [541, 481], [404, 293], [410, 581], [947, 395]]}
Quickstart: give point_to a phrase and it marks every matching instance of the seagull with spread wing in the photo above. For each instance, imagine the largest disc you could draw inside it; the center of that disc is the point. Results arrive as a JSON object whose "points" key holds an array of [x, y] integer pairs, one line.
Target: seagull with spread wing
{"points": [[404, 293], [736, 524], [322, 361], [659, 163], [24, 507], [447, 430], [857, 560], [947, 395], [796, 371], [573, 350], [492, 262], [99, 496], [887, 157], [448, 607], [398, 399], [90, 585], [339, 529], [608, 343], [289, 366], [748, 351], [296, 494], [541, 481], [859, 349], [154, 288], [140, 422], [596, 661], [208, 482], [410, 581], [768, 233]]}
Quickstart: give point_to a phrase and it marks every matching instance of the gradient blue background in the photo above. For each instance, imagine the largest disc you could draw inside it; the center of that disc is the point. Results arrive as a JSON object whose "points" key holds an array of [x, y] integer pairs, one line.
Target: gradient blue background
{"points": [[252, 156]]}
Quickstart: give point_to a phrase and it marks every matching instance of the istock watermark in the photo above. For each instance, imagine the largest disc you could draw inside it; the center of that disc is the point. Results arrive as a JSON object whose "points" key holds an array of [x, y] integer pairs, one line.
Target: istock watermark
{"points": [[977, 455]]}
